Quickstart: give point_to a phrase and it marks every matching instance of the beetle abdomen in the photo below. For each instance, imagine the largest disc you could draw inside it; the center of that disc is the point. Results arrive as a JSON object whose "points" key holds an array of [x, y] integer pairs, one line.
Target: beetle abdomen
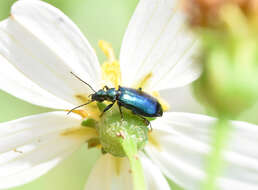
{"points": [[139, 102]]}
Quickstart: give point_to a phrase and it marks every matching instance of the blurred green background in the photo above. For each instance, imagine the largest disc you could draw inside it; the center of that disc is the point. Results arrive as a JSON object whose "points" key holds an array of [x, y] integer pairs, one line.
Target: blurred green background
{"points": [[98, 20]]}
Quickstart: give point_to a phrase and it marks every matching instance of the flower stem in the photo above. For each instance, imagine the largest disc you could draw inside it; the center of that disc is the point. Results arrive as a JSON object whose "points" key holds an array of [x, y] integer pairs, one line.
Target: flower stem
{"points": [[215, 159], [130, 149]]}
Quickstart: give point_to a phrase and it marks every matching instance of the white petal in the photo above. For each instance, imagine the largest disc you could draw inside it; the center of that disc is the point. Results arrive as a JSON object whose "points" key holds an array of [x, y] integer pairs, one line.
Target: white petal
{"points": [[153, 176], [184, 143], [158, 42], [110, 173], [31, 146], [115, 174], [46, 46], [15, 83], [182, 100]]}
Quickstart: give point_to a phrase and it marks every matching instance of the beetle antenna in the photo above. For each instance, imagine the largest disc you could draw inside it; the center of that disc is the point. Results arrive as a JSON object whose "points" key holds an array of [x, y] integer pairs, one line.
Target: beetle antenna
{"points": [[80, 106], [83, 81]]}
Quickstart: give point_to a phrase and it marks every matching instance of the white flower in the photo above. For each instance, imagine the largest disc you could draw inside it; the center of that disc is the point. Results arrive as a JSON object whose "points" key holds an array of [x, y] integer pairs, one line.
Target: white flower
{"points": [[40, 46]]}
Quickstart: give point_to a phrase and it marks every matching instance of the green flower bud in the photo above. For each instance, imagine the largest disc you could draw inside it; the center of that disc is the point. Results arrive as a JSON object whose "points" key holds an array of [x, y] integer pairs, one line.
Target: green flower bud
{"points": [[113, 131], [229, 82]]}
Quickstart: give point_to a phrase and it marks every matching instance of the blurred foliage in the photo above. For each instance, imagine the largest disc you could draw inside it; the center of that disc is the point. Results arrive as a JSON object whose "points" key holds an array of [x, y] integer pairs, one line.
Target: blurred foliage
{"points": [[229, 80]]}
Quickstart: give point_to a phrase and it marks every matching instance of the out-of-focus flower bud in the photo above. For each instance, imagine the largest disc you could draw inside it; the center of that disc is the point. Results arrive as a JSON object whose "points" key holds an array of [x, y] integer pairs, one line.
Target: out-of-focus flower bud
{"points": [[229, 83], [207, 12]]}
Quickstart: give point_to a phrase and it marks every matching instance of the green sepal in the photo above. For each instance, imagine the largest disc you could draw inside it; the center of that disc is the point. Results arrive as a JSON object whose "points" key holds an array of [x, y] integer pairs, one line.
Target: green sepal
{"points": [[101, 106], [89, 123]]}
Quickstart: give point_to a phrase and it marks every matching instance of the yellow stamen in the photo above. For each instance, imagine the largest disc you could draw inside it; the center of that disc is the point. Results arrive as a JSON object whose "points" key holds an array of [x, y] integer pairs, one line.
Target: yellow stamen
{"points": [[164, 104], [108, 50], [154, 141], [91, 110], [143, 82], [77, 132], [111, 73], [82, 113]]}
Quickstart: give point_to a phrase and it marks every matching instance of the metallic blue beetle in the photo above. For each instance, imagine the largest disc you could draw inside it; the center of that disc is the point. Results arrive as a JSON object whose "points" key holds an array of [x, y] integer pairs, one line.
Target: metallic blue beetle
{"points": [[139, 102]]}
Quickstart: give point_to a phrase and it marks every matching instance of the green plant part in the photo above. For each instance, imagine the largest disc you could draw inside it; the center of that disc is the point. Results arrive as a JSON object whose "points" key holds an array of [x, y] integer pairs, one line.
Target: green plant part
{"points": [[229, 83], [113, 131]]}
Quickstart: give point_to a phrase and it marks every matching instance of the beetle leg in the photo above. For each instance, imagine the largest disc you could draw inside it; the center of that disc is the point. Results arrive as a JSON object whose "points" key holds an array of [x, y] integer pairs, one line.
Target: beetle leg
{"points": [[120, 110], [148, 123], [106, 109], [105, 87]]}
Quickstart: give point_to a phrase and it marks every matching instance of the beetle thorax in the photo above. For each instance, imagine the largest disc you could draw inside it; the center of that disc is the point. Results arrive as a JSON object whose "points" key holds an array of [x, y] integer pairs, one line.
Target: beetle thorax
{"points": [[102, 95]]}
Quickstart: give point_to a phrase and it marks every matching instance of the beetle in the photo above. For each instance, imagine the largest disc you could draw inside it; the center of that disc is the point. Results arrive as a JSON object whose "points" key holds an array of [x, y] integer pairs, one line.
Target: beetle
{"points": [[139, 102]]}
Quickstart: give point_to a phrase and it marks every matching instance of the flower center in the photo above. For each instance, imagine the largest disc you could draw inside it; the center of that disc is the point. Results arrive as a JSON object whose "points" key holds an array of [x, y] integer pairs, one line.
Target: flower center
{"points": [[113, 128], [113, 131]]}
